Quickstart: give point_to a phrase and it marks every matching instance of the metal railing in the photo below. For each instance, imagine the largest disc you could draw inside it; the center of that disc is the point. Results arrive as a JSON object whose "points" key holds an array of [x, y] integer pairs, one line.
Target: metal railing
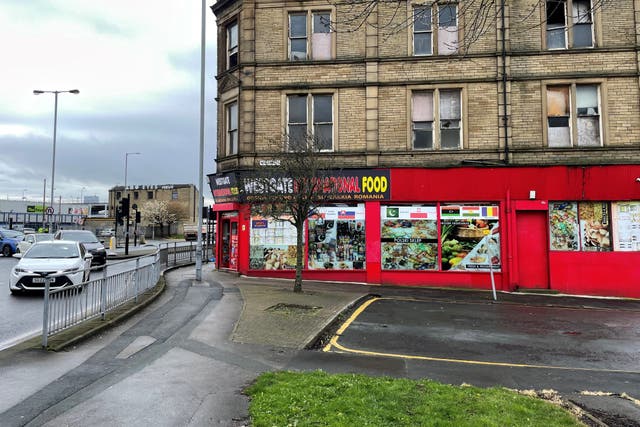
{"points": [[72, 305]]}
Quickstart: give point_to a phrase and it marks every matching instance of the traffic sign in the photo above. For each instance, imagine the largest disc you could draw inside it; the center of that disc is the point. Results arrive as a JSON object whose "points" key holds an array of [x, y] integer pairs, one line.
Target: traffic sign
{"points": [[50, 210]]}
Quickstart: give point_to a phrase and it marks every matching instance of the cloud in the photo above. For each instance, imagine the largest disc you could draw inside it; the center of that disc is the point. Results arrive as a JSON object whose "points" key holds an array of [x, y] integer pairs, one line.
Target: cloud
{"points": [[137, 66]]}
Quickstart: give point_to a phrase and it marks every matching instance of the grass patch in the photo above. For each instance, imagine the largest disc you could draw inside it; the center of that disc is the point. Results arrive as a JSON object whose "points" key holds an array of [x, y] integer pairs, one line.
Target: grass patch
{"points": [[319, 399]]}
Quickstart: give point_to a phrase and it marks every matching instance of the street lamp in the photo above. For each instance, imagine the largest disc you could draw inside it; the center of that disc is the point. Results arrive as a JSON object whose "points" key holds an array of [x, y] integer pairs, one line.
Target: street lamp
{"points": [[55, 126], [126, 162], [82, 194]]}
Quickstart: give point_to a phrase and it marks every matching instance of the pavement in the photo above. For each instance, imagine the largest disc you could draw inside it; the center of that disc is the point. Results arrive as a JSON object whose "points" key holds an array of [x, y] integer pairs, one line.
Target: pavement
{"points": [[186, 357]]}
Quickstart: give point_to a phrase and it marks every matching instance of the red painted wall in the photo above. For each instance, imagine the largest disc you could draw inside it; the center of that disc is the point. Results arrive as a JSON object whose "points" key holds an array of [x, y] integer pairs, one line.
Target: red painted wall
{"points": [[611, 274]]}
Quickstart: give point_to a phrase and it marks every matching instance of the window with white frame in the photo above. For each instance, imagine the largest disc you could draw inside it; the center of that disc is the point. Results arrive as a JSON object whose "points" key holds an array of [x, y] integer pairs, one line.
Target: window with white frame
{"points": [[310, 36], [446, 17], [310, 119], [573, 115], [232, 45], [439, 109], [564, 29], [231, 112]]}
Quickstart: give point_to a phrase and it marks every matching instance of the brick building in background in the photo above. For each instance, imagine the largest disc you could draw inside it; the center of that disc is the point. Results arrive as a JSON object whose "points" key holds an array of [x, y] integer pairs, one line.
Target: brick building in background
{"points": [[516, 156]]}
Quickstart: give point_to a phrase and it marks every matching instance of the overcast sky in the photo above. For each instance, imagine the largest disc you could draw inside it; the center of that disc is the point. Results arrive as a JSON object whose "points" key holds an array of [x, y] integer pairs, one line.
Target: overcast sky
{"points": [[137, 66]]}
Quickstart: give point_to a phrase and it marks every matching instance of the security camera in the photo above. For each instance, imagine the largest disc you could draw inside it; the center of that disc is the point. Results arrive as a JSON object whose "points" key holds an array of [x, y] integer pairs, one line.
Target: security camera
{"points": [[638, 179]]}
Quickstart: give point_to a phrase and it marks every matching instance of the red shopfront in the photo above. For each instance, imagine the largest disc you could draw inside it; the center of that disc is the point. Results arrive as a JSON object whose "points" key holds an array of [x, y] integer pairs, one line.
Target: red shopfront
{"points": [[574, 230]]}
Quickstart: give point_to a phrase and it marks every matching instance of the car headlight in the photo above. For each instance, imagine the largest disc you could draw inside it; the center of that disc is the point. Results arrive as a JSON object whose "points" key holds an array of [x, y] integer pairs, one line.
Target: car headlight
{"points": [[20, 270]]}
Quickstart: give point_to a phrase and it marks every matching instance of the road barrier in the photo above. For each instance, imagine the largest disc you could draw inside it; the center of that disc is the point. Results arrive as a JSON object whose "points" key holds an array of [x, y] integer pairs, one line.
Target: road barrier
{"points": [[72, 305]]}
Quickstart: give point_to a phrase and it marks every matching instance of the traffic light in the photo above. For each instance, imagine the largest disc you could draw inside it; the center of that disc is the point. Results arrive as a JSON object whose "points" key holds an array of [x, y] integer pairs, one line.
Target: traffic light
{"points": [[119, 215], [124, 207], [138, 217]]}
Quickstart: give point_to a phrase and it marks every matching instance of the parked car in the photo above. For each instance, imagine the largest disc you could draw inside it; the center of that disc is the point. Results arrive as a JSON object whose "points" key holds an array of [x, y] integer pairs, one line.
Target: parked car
{"points": [[90, 242], [30, 239], [107, 232], [69, 262], [9, 241]]}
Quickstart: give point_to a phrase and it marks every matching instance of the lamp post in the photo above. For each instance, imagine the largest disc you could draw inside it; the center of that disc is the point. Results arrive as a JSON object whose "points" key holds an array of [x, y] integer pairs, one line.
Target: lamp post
{"points": [[82, 194], [126, 232], [55, 126], [203, 42]]}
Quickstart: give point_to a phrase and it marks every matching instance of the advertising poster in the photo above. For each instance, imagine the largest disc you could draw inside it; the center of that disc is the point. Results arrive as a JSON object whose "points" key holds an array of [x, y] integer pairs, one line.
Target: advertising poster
{"points": [[409, 238], [272, 244], [337, 238], [563, 226], [626, 217], [595, 226], [470, 237]]}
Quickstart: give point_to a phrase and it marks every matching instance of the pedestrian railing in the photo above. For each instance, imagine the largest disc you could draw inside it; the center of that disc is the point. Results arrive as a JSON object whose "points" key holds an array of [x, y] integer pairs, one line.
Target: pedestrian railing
{"points": [[72, 305]]}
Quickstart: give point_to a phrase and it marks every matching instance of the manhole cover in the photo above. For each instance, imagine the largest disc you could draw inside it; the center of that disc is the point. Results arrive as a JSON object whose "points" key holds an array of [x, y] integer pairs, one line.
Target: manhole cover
{"points": [[293, 308]]}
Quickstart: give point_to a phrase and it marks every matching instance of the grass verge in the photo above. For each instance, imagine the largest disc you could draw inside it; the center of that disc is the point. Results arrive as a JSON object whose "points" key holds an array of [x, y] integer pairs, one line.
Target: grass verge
{"points": [[320, 399]]}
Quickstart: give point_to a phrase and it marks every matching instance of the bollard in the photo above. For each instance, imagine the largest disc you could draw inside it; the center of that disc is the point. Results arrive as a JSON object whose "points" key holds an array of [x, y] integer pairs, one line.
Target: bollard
{"points": [[45, 315]]}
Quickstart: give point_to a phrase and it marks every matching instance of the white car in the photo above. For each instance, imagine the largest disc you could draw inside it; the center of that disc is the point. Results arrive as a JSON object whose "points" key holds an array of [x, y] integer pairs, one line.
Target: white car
{"points": [[67, 263], [30, 239]]}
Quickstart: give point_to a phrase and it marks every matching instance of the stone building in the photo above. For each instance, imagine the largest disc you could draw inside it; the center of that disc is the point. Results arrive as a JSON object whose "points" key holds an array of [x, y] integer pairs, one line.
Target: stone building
{"points": [[184, 197], [510, 151]]}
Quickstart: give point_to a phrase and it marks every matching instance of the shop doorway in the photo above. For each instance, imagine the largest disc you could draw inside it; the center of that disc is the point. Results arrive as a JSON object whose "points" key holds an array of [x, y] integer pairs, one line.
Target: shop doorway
{"points": [[229, 243], [532, 247]]}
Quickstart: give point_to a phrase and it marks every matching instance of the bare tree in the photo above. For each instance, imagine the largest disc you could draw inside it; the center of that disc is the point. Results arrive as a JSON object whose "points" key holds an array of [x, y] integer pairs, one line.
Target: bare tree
{"points": [[176, 212], [290, 189], [475, 18]]}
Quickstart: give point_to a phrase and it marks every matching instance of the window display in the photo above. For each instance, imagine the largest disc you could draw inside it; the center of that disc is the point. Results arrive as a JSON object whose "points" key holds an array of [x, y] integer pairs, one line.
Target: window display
{"points": [[595, 226], [273, 244], [409, 238], [337, 238], [470, 238], [563, 226], [584, 226], [626, 216]]}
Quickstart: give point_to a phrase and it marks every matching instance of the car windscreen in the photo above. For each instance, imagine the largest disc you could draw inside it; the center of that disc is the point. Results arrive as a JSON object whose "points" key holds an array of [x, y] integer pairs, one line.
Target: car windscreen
{"points": [[11, 233], [43, 237], [79, 236], [53, 251]]}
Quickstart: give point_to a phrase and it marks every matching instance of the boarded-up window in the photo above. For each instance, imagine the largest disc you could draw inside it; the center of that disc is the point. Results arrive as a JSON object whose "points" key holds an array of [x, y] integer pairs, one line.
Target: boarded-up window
{"points": [[422, 31], [422, 111], [556, 24], [447, 29], [321, 38], [558, 116], [588, 115]]}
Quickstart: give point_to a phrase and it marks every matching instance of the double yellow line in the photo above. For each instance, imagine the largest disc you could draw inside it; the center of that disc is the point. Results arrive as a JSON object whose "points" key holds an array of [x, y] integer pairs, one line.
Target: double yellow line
{"points": [[333, 343]]}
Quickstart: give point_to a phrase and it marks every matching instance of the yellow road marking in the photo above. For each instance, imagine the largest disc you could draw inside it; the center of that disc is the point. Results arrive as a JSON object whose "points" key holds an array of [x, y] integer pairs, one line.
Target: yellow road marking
{"points": [[334, 343]]}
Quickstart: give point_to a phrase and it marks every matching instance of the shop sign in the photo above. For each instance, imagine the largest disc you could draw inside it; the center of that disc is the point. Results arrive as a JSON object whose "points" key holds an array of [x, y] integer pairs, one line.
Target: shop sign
{"points": [[344, 185], [626, 216], [35, 209]]}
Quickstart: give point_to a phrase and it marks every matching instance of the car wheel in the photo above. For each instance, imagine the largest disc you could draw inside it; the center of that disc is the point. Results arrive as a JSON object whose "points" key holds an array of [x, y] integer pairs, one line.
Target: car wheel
{"points": [[6, 250]]}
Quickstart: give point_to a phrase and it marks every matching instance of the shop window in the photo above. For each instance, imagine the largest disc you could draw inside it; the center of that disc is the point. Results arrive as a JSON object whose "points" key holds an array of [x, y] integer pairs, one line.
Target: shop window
{"points": [[149, 195], [310, 36], [565, 29], [626, 229], [470, 237], [310, 119], [272, 244], [447, 118], [231, 122], [563, 116], [447, 25], [337, 238], [583, 226], [232, 45], [409, 238]]}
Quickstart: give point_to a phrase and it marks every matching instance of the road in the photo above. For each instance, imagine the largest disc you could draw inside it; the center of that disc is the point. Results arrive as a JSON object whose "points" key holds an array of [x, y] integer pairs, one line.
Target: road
{"points": [[21, 316]]}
